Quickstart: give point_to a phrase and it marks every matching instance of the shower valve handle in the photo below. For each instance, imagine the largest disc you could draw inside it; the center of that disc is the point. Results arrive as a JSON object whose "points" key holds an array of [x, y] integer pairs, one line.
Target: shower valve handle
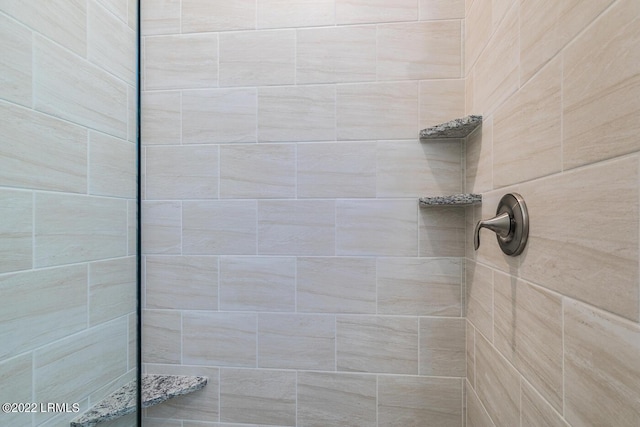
{"points": [[500, 224], [511, 225]]}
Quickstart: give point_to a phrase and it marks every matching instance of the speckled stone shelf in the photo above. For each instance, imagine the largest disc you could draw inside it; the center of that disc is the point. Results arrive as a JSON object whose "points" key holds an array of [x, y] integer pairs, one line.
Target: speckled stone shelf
{"points": [[155, 389], [455, 129], [453, 200]]}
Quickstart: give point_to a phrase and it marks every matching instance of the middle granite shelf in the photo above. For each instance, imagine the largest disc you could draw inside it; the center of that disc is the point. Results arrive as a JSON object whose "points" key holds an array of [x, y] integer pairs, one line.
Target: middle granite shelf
{"points": [[452, 200]]}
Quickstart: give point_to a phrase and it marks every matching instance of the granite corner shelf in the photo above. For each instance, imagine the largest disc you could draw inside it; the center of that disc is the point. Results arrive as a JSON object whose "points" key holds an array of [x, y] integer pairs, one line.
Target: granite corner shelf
{"points": [[452, 200], [454, 129], [155, 389]]}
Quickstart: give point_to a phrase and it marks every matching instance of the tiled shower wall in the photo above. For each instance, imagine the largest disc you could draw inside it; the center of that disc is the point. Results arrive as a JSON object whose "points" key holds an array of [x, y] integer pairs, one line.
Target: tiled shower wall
{"points": [[286, 257], [553, 336], [67, 203]]}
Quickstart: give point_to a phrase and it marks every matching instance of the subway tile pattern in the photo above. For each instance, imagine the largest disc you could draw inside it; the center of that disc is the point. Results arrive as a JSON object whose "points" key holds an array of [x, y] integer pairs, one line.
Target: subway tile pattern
{"points": [[67, 202], [285, 252], [552, 335]]}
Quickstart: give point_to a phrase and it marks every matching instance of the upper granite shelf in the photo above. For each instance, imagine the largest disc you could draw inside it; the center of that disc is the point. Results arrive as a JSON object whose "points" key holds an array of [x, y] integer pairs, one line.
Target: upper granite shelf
{"points": [[454, 129], [452, 200], [155, 389]]}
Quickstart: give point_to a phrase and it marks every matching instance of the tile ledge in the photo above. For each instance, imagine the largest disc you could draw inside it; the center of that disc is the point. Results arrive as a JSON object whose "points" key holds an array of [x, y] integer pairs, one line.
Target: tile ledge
{"points": [[454, 129], [155, 389], [452, 200]]}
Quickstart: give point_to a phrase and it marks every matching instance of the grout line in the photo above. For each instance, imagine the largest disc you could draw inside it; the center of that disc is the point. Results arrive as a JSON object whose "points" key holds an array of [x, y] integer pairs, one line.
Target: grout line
{"points": [[564, 388]]}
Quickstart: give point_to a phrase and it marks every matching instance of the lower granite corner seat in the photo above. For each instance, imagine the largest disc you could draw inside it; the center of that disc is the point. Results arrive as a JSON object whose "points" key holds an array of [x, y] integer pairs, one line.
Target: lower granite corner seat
{"points": [[155, 389]]}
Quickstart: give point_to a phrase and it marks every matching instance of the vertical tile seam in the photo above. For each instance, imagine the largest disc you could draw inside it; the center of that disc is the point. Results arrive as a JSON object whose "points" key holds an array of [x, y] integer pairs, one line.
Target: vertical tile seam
{"points": [[564, 375], [562, 58], [520, 380]]}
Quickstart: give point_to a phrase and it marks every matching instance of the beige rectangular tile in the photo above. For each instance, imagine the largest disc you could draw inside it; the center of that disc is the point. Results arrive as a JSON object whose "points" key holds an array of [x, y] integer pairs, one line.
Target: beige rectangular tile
{"points": [[376, 227], [297, 341], [63, 21], [257, 171], [362, 111], [162, 335], [119, 8], [219, 115], [417, 169], [360, 11], [336, 54], [602, 369], [68, 87], [471, 353], [66, 370], [181, 282], [595, 256], [440, 101], [479, 298], [528, 332], [497, 384], [111, 44], [296, 13], [435, 51], [71, 228], [112, 289], [442, 347], [409, 401], [419, 286], [297, 113], [132, 353], [219, 339], [132, 227], [377, 344], [600, 103], [60, 309], [336, 285], [325, 399], [161, 117], [477, 31], [132, 114], [496, 74], [546, 26], [219, 227], [340, 169], [161, 227], [132, 15], [479, 159], [527, 130], [217, 15], [16, 230], [181, 61], [18, 372], [15, 67], [112, 166], [160, 17], [476, 414], [258, 396], [535, 410], [258, 283], [257, 58], [441, 232], [441, 9], [181, 172], [28, 137], [296, 227], [159, 422], [202, 405]]}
